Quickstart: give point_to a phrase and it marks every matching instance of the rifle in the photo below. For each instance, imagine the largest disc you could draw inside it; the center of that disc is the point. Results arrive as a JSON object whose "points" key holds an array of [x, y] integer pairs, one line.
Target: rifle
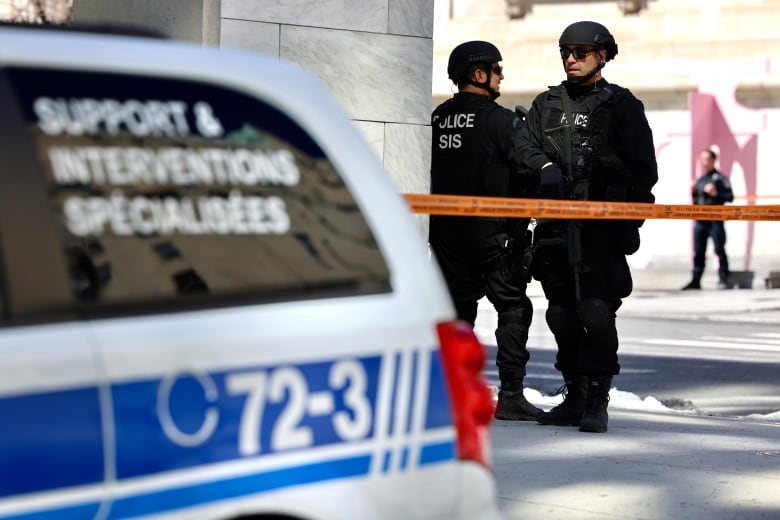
{"points": [[574, 250], [562, 140]]}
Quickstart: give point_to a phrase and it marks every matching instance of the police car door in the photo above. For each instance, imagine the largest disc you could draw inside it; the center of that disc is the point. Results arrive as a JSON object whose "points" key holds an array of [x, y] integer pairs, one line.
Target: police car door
{"points": [[52, 437]]}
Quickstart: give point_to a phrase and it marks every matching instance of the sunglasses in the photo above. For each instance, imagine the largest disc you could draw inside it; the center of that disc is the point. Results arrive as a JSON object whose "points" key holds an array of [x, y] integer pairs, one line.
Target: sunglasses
{"points": [[578, 52], [497, 69]]}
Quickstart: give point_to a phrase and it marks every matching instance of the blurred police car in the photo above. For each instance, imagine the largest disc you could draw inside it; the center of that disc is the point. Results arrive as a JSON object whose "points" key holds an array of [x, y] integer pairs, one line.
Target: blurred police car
{"points": [[214, 303]]}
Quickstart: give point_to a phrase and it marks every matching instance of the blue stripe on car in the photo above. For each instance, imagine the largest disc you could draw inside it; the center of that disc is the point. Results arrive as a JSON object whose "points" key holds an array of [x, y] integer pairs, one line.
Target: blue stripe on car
{"points": [[50, 440], [167, 499]]}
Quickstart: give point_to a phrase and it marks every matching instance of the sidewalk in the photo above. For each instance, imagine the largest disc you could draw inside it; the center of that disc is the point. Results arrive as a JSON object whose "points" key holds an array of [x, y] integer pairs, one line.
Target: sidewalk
{"points": [[649, 465], [658, 294]]}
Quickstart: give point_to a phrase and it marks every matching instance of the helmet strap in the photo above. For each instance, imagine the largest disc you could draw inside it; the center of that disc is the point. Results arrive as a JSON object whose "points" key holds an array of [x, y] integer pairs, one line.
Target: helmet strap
{"points": [[486, 85], [588, 76]]}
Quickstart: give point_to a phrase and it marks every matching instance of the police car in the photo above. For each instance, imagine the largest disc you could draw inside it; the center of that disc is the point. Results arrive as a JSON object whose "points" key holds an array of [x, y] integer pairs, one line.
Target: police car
{"points": [[214, 304]]}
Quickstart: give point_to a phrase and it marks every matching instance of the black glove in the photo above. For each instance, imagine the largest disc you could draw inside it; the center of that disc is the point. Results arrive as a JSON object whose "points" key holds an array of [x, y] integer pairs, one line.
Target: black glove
{"points": [[626, 236], [551, 183]]}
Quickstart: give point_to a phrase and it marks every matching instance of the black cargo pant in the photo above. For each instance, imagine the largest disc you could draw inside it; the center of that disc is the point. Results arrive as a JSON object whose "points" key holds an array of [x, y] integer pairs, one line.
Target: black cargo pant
{"points": [[474, 257], [584, 328], [702, 230]]}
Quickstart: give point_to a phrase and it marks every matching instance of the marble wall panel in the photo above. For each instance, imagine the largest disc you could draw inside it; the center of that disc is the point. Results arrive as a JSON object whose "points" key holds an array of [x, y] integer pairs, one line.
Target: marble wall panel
{"points": [[408, 161], [251, 36], [411, 17], [408, 156], [374, 133], [356, 15], [405, 152], [186, 20], [376, 77]]}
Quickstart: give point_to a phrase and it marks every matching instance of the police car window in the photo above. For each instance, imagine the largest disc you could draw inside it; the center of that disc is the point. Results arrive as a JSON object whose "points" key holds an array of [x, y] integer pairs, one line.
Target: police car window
{"points": [[167, 189]]}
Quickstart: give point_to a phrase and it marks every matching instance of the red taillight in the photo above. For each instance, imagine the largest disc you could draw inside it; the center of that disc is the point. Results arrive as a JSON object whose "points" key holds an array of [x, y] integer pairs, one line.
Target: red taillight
{"points": [[463, 357]]}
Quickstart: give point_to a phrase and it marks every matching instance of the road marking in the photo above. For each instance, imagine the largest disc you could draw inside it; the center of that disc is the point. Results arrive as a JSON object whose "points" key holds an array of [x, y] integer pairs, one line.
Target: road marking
{"points": [[731, 345], [745, 340], [775, 335]]}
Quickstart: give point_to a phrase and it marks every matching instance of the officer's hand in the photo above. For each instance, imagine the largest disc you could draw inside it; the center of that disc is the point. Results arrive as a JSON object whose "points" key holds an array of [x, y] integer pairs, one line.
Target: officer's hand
{"points": [[551, 182]]}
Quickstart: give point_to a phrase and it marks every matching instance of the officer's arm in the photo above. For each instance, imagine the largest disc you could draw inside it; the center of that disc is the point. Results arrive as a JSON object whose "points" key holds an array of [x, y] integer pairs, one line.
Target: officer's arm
{"points": [[725, 193], [637, 149], [529, 141]]}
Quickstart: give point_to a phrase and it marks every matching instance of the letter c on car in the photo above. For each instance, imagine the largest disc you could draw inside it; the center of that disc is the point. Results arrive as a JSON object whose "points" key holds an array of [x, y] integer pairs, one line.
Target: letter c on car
{"points": [[169, 426]]}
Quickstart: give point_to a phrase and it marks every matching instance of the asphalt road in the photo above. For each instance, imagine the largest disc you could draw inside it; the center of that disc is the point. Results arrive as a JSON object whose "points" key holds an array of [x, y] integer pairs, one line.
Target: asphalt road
{"points": [[714, 364]]}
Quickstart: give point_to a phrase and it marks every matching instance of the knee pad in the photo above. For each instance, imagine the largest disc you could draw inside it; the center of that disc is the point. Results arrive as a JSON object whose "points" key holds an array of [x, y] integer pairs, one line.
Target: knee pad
{"points": [[560, 319], [595, 314]]}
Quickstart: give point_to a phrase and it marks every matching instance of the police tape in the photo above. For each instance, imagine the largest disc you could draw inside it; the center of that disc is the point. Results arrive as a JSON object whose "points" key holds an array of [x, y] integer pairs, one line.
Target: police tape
{"points": [[460, 205]]}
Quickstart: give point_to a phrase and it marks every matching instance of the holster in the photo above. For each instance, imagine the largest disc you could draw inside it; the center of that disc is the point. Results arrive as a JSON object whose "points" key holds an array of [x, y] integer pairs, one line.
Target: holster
{"points": [[518, 257]]}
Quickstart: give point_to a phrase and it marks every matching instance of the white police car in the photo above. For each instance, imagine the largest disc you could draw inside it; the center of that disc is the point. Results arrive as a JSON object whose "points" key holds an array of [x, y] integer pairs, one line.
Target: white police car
{"points": [[213, 302]]}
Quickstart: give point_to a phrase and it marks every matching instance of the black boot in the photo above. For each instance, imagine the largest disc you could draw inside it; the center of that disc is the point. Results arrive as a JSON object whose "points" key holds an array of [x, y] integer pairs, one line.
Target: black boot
{"points": [[513, 406], [570, 411], [595, 418], [695, 283]]}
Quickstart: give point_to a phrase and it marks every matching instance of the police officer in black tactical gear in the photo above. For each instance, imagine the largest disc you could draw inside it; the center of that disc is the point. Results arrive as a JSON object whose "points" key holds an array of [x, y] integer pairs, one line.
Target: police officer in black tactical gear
{"points": [[712, 188], [586, 139], [474, 153]]}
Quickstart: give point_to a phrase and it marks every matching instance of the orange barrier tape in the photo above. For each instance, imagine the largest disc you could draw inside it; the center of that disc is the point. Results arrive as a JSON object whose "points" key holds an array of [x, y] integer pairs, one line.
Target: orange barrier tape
{"points": [[579, 209]]}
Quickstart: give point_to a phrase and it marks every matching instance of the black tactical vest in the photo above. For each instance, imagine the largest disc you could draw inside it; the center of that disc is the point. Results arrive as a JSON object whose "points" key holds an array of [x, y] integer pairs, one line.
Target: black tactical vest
{"points": [[465, 159], [592, 163]]}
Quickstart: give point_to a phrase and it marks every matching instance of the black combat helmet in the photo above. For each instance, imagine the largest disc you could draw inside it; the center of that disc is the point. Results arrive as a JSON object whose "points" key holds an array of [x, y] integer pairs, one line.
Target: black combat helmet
{"points": [[589, 33], [467, 54]]}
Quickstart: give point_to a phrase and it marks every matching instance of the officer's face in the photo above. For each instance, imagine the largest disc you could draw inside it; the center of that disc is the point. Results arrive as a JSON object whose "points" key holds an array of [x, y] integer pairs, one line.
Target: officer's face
{"points": [[496, 75], [707, 161], [494, 80], [577, 67]]}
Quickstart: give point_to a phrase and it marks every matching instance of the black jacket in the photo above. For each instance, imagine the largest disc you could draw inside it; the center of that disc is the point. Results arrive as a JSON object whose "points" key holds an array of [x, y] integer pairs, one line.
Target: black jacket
{"points": [[611, 154], [474, 148], [622, 166], [722, 184]]}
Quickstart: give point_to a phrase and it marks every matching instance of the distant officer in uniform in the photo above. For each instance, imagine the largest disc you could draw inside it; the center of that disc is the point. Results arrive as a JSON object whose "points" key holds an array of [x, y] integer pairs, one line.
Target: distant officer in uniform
{"points": [[474, 153], [712, 188], [586, 139]]}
